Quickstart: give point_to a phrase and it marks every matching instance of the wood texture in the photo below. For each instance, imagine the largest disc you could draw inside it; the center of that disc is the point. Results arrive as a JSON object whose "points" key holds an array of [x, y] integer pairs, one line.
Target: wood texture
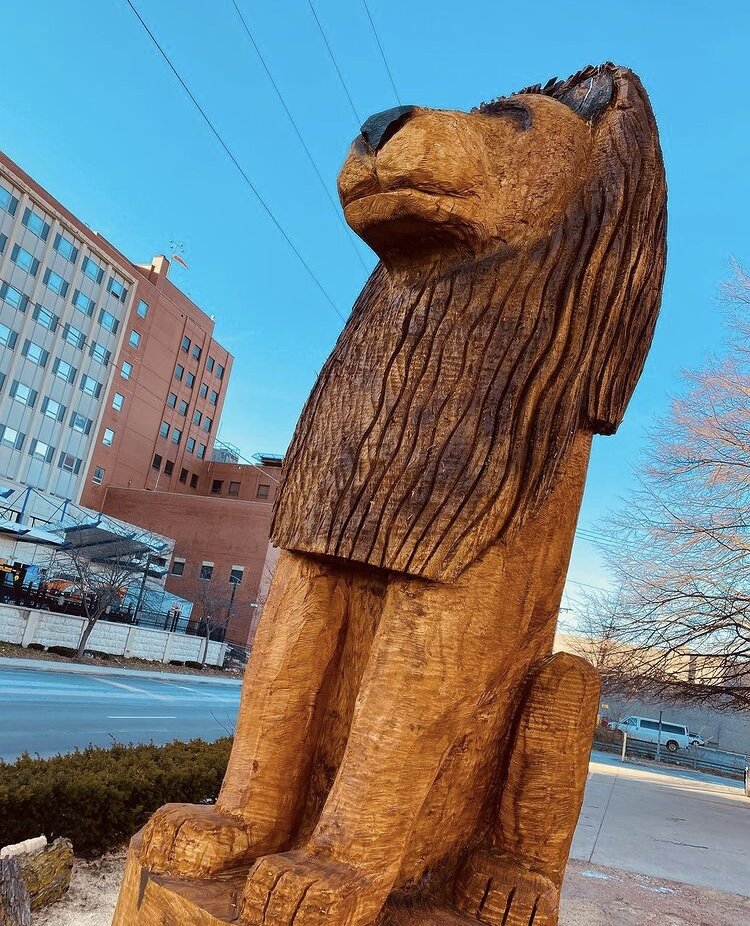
{"points": [[15, 905], [406, 748]]}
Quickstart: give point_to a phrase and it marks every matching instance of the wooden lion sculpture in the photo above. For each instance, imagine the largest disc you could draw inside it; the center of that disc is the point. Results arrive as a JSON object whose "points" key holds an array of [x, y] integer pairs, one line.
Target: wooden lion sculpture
{"points": [[406, 747]]}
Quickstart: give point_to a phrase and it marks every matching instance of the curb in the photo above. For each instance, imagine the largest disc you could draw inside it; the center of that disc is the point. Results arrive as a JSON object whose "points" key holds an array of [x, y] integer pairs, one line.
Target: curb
{"points": [[43, 665]]}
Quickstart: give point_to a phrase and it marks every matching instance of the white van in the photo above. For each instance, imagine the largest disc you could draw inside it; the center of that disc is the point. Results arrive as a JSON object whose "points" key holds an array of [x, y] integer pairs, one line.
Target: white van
{"points": [[673, 735]]}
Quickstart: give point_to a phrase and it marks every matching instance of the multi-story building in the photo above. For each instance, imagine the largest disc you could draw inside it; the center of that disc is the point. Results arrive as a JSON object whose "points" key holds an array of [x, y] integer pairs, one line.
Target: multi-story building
{"points": [[65, 295], [111, 390]]}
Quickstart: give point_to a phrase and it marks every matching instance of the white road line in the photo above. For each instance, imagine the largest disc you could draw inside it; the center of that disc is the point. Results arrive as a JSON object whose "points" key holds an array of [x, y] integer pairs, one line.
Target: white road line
{"points": [[141, 717], [140, 691]]}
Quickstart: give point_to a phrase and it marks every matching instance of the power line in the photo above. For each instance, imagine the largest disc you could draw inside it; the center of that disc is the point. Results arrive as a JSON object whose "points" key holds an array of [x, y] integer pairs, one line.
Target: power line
{"points": [[286, 109], [236, 163], [333, 59], [382, 53]]}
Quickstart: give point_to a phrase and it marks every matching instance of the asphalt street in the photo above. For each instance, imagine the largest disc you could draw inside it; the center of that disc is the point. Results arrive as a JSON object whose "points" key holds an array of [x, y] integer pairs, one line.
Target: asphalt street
{"points": [[45, 712]]}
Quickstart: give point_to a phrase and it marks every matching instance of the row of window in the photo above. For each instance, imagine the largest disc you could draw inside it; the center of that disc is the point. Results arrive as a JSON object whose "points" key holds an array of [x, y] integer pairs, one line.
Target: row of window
{"points": [[211, 364], [13, 438], [60, 368], [192, 446], [25, 395], [206, 570], [19, 300], [169, 469], [183, 406], [217, 487]]}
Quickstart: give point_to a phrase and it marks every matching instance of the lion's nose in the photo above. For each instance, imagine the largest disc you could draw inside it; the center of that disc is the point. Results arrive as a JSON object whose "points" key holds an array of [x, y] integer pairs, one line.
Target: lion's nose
{"points": [[379, 128]]}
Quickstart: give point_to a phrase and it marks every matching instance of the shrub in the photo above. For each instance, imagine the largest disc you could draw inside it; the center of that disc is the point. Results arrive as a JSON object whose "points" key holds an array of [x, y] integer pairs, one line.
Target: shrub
{"points": [[39, 646], [191, 664], [62, 650], [99, 798]]}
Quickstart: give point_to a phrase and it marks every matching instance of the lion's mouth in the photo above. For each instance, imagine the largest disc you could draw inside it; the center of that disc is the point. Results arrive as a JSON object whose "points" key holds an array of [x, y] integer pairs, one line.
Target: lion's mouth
{"points": [[370, 188]]}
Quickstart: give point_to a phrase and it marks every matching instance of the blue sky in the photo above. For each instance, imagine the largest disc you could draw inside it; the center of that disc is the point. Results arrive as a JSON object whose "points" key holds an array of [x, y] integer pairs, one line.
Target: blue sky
{"points": [[89, 109]]}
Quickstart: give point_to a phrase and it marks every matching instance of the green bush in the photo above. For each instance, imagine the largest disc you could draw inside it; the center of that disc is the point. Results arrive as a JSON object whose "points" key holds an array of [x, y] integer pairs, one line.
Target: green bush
{"points": [[99, 798]]}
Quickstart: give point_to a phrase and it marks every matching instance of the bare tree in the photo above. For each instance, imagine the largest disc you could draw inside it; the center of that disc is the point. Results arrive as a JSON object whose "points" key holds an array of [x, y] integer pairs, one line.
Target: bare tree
{"points": [[99, 572], [214, 608], [679, 621]]}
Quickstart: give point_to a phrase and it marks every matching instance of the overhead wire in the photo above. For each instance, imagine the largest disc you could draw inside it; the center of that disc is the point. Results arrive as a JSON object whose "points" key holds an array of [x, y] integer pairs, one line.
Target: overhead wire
{"points": [[236, 163], [285, 107], [335, 64], [382, 52]]}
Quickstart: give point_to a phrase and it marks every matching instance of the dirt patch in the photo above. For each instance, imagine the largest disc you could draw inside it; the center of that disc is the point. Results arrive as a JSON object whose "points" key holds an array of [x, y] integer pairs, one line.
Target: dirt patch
{"points": [[592, 896]]}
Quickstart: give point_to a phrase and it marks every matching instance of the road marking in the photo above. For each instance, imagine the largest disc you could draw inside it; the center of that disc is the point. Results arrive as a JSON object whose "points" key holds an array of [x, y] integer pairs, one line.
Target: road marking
{"points": [[141, 717], [140, 691]]}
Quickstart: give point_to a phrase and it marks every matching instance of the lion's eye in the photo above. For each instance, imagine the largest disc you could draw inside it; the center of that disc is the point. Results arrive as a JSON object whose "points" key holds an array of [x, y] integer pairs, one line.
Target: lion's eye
{"points": [[517, 112]]}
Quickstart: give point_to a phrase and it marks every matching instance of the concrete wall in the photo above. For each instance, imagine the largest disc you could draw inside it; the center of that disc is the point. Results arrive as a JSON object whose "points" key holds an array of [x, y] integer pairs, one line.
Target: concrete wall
{"points": [[26, 625]]}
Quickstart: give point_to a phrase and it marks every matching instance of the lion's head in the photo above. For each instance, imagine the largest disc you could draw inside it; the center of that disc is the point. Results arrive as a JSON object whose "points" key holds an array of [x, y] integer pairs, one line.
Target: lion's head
{"points": [[442, 189]]}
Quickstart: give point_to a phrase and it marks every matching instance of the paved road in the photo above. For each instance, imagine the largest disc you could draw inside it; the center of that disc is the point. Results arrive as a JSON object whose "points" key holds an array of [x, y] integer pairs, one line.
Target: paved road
{"points": [[46, 711], [665, 823]]}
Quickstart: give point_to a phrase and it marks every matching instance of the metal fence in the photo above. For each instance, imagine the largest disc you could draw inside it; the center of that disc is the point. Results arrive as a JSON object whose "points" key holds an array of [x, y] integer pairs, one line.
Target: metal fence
{"points": [[697, 758]]}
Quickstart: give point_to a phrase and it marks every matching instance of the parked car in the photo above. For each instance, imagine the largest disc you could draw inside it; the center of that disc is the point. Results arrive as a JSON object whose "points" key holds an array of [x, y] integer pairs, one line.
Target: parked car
{"points": [[673, 735]]}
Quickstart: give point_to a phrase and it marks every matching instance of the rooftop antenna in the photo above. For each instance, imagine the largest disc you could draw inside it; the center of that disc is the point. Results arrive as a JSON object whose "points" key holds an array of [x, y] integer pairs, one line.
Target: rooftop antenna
{"points": [[178, 248]]}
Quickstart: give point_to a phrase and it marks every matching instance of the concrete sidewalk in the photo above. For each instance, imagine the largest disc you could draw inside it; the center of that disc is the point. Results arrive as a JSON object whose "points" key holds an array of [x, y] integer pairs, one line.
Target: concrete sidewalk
{"points": [[45, 665], [664, 823]]}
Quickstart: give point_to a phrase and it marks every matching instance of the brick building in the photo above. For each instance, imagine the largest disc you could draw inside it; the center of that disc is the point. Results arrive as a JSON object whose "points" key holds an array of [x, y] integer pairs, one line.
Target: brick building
{"points": [[111, 392]]}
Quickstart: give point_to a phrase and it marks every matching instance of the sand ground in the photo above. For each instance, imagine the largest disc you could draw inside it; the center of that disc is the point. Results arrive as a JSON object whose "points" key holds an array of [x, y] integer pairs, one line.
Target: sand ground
{"points": [[592, 896]]}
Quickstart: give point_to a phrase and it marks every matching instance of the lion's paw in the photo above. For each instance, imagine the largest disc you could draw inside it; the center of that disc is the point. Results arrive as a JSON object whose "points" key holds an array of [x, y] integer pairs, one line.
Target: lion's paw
{"points": [[195, 841], [300, 889], [497, 890]]}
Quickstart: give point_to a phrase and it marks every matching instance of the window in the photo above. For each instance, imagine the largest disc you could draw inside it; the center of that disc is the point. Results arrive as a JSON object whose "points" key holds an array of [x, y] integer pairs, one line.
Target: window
{"points": [[134, 339], [35, 224], [216, 486], [117, 289], [80, 423], [45, 318], [69, 463], [190, 380], [41, 451], [23, 394], [263, 491], [118, 400], [171, 400], [126, 370], [194, 481], [214, 397], [25, 260], [14, 297], [206, 571], [183, 475], [208, 424], [92, 269], [3, 242], [201, 451], [98, 477], [63, 370], [99, 353], [236, 574], [182, 407], [108, 321], [164, 429], [56, 283], [108, 437], [8, 202], [73, 336], [8, 337], [90, 386], [168, 467], [234, 489], [178, 566], [52, 409], [142, 310], [176, 435], [11, 438], [179, 371], [210, 364], [219, 371], [203, 390], [197, 417], [186, 343], [156, 463], [83, 303], [190, 446], [196, 352], [65, 248], [35, 352]]}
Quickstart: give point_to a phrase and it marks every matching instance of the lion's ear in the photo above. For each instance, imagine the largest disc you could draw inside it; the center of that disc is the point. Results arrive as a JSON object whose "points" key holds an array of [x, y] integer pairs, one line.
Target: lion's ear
{"points": [[590, 96]]}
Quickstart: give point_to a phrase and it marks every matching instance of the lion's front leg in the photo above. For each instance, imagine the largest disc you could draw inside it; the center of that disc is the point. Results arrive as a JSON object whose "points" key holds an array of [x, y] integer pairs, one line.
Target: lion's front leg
{"points": [[516, 881]]}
